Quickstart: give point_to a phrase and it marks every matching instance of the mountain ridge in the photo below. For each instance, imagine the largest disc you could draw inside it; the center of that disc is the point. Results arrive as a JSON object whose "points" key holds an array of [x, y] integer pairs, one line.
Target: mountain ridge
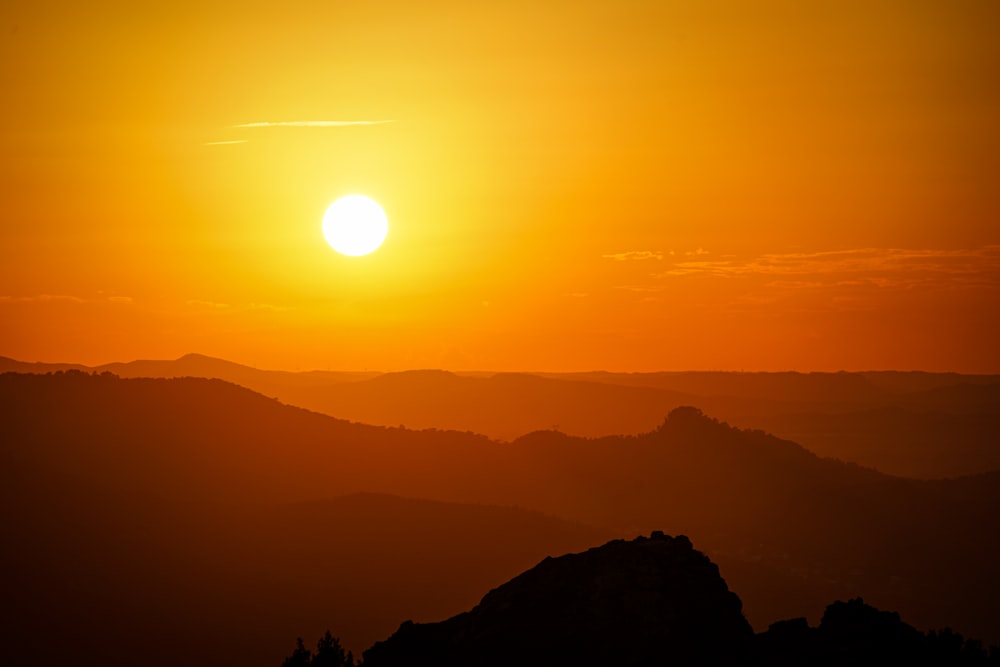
{"points": [[948, 421], [752, 501]]}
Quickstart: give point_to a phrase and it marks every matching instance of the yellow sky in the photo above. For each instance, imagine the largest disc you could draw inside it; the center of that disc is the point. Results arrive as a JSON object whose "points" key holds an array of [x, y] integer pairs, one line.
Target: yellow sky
{"points": [[569, 186]]}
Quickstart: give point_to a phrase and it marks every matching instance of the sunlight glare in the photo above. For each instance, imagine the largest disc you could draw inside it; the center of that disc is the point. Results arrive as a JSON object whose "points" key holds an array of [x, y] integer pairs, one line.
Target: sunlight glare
{"points": [[355, 225]]}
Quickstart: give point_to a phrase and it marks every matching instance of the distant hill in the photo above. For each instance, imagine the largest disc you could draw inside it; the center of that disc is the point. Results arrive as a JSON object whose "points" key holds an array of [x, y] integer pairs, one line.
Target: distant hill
{"points": [[843, 388], [503, 406], [923, 425], [905, 441], [8, 365], [268, 382], [199, 365]]}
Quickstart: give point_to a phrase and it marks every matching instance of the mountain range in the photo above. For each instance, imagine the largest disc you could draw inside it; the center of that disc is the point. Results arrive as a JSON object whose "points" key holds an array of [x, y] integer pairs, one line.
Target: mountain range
{"points": [[200, 510], [911, 424]]}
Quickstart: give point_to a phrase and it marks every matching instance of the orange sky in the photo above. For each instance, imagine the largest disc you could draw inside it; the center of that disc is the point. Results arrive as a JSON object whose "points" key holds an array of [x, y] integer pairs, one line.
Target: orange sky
{"points": [[710, 184]]}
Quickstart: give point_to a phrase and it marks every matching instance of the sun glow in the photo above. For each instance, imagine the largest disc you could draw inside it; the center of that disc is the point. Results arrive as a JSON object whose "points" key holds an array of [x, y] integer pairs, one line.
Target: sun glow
{"points": [[355, 225]]}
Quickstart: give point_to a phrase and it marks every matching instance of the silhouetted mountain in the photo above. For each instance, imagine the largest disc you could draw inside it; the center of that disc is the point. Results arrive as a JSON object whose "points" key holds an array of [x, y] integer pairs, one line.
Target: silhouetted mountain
{"points": [[8, 365], [789, 529], [282, 384], [763, 391], [853, 633], [504, 405], [844, 388], [923, 425], [652, 601], [915, 382], [199, 365], [962, 398], [902, 441]]}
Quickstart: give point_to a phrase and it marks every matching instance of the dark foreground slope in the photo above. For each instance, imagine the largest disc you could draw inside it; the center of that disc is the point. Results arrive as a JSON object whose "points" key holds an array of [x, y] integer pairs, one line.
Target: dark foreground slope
{"points": [[653, 602], [113, 580], [192, 522]]}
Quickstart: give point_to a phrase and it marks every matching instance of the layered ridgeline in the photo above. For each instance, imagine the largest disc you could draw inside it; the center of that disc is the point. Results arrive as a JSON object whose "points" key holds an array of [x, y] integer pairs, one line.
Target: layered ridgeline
{"points": [[927, 425], [650, 602], [193, 522], [151, 508]]}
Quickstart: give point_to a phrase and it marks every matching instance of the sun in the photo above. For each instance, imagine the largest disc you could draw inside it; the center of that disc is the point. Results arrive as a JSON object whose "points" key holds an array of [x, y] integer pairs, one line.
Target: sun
{"points": [[355, 225]]}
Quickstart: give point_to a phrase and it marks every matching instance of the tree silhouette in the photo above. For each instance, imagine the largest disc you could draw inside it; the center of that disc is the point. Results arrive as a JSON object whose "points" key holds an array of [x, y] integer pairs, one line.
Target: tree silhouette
{"points": [[300, 657], [329, 653]]}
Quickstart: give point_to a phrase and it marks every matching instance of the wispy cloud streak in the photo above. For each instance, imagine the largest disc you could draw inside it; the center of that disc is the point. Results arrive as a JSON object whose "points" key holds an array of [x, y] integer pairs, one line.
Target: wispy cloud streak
{"points": [[634, 255], [225, 143], [314, 123], [64, 298], [235, 308], [881, 267], [42, 298]]}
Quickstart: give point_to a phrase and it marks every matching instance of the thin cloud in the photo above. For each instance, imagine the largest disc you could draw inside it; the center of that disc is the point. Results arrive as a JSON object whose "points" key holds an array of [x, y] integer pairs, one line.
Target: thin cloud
{"points": [[268, 306], [314, 123], [225, 143], [879, 267], [63, 298], [236, 308], [634, 255], [641, 288], [800, 284], [207, 304], [42, 298]]}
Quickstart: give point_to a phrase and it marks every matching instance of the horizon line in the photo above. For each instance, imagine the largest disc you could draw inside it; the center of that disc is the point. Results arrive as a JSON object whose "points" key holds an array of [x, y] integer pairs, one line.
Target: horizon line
{"points": [[483, 371]]}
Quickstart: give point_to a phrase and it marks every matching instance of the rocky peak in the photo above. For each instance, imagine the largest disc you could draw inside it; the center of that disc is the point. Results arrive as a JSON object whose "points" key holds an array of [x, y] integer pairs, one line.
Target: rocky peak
{"points": [[648, 601]]}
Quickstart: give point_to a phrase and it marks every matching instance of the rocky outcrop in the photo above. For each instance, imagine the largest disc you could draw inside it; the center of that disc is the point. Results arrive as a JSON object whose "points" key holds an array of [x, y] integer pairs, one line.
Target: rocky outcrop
{"points": [[855, 634], [656, 601], [649, 601]]}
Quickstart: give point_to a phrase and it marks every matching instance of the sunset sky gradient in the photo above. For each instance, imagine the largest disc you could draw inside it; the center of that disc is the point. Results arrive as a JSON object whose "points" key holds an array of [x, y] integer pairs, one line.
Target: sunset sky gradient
{"points": [[630, 186]]}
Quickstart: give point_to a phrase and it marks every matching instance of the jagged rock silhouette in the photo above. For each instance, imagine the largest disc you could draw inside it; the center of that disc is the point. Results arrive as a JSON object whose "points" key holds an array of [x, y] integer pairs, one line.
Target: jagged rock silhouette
{"points": [[649, 601]]}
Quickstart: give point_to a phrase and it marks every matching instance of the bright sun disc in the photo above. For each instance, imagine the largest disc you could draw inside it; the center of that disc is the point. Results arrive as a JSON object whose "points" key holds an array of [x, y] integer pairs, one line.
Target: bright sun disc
{"points": [[355, 225]]}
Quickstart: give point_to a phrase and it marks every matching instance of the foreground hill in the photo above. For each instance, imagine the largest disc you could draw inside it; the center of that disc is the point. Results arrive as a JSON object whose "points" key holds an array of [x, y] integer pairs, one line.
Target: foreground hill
{"points": [[791, 531], [114, 579], [646, 602], [651, 602]]}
